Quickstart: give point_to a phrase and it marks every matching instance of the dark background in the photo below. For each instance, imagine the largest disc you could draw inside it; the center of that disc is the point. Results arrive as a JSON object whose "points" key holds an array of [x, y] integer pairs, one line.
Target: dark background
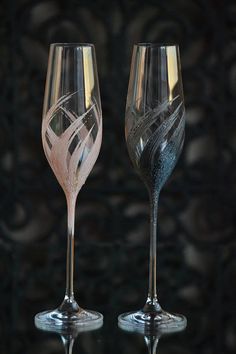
{"points": [[196, 251]]}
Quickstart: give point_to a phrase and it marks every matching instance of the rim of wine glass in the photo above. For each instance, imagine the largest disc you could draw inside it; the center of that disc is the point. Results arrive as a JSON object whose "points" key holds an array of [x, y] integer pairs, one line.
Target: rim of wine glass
{"points": [[156, 45], [72, 44]]}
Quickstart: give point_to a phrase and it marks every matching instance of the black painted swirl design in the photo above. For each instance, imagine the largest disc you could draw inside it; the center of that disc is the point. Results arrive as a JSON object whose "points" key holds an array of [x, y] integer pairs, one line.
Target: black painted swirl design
{"points": [[156, 139]]}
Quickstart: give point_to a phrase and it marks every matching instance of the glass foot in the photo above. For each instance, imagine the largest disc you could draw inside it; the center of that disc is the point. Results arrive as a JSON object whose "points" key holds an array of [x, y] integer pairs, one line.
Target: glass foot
{"points": [[62, 320], [161, 321]]}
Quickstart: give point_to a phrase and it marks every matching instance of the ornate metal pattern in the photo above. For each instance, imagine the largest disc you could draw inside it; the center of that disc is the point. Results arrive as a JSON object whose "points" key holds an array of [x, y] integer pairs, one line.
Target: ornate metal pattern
{"points": [[197, 209]]}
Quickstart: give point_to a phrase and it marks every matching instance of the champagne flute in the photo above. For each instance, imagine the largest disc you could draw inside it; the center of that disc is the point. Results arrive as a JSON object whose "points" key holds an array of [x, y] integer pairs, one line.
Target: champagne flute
{"points": [[71, 136], [154, 129]]}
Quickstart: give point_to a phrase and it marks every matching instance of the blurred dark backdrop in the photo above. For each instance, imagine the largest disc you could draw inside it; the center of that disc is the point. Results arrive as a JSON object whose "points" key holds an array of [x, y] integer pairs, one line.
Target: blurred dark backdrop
{"points": [[196, 251]]}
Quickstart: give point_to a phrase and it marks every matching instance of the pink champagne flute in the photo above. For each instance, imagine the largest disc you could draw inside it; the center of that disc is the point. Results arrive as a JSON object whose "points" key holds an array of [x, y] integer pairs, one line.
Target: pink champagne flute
{"points": [[71, 136]]}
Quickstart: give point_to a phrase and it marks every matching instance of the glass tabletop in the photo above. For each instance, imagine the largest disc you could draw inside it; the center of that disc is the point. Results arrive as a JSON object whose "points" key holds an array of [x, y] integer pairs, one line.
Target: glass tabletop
{"points": [[19, 335]]}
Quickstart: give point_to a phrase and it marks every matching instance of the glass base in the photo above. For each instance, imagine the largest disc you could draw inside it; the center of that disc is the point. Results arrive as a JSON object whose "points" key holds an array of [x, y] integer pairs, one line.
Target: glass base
{"points": [[61, 320], [160, 321]]}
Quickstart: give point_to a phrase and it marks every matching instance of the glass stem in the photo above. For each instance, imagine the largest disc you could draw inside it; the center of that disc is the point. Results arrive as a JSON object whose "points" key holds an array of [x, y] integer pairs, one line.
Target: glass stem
{"points": [[70, 249], [151, 342], [69, 304], [152, 301], [68, 342]]}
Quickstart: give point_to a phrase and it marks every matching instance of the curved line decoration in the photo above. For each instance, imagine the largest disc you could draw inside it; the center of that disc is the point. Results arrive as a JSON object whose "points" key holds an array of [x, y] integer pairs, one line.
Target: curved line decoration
{"points": [[155, 141], [155, 127], [72, 168]]}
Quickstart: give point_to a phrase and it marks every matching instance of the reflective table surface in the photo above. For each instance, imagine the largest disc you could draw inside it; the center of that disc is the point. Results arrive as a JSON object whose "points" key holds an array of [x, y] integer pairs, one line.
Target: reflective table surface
{"points": [[19, 335]]}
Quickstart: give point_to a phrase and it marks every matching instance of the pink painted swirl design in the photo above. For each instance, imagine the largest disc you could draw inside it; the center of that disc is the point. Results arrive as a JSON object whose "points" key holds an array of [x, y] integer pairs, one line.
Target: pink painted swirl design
{"points": [[72, 153]]}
